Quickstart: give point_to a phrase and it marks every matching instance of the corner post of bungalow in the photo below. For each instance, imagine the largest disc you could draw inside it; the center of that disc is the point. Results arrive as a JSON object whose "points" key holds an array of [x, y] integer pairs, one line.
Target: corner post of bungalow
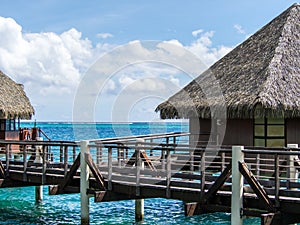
{"points": [[260, 85]]}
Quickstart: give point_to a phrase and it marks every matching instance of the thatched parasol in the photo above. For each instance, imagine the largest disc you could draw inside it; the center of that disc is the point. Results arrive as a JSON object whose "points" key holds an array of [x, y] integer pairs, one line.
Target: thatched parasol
{"points": [[13, 101], [260, 77]]}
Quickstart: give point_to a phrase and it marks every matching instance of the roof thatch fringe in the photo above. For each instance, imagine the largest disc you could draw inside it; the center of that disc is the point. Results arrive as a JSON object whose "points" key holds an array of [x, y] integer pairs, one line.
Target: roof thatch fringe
{"points": [[260, 77], [13, 101]]}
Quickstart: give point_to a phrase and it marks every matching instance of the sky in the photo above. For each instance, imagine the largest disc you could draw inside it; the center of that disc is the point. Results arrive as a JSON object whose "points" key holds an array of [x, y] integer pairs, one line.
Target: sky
{"points": [[115, 61]]}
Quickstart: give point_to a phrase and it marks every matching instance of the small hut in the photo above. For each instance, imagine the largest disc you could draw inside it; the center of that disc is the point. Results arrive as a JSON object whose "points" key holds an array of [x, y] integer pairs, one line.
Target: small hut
{"points": [[14, 105], [260, 90]]}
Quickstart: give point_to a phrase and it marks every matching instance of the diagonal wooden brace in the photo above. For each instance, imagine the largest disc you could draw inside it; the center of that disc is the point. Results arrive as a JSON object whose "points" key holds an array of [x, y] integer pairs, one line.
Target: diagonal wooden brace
{"points": [[218, 183], [2, 171], [97, 174], [257, 188]]}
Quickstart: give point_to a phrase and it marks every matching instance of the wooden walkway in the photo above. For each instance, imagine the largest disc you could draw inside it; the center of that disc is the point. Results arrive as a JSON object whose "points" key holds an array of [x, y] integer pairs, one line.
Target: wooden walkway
{"points": [[161, 166]]}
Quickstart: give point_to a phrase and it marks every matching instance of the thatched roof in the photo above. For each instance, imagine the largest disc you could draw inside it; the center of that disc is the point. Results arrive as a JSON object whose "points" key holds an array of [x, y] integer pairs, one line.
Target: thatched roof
{"points": [[261, 76], [13, 101]]}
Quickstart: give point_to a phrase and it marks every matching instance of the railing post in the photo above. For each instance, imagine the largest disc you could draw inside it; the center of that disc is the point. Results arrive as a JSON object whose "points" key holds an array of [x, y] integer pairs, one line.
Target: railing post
{"points": [[99, 154], [74, 153], [84, 183], [44, 165], [120, 155], [168, 174], [151, 150], [237, 186], [222, 161], [66, 156], [202, 174], [192, 160], [258, 165], [167, 141], [110, 169], [24, 163], [293, 173], [138, 164], [7, 147], [61, 154], [277, 180]]}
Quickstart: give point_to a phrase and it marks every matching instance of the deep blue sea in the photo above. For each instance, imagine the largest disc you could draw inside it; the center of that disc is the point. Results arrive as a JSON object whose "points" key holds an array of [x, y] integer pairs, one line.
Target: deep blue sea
{"points": [[17, 205]]}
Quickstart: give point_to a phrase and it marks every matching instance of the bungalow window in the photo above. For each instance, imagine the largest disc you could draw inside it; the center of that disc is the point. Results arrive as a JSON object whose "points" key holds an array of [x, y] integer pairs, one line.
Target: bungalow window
{"points": [[8, 125], [269, 132]]}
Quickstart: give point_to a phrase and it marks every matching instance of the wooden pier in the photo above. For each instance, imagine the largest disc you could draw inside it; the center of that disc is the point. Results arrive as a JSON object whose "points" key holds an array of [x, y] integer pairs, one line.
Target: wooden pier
{"points": [[264, 180]]}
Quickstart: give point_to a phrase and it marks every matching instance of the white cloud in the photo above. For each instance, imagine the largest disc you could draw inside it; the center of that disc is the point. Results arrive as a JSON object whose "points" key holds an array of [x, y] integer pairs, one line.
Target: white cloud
{"points": [[51, 65], [239, 29], [104, 35], [195, 33], [43, 61], [202, 48]]}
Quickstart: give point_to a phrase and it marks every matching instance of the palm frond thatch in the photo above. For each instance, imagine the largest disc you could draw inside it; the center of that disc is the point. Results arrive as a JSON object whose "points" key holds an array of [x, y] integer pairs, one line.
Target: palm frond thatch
{"points": [[260, 77], [13, 101]]}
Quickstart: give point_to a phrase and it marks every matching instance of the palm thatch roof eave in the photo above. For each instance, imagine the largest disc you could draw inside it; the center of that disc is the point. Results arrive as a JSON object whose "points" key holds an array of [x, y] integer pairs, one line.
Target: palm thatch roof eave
{"points": [[169, 111], [14, 103]]}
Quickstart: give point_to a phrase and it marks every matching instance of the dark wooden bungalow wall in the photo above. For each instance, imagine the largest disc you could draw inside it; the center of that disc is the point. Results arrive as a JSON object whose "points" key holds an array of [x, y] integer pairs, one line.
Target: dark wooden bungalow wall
{"points": [[238, 131]]}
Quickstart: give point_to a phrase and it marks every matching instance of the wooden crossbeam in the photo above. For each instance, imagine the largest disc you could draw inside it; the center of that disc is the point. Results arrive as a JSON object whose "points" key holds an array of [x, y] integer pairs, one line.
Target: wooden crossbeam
{"points": [[257, 188], [2, 171], [218, 183], [97, 174]]}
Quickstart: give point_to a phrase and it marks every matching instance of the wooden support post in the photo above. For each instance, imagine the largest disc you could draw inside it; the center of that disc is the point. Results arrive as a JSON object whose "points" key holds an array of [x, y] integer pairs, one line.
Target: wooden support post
{"points": [[38, 194], [237, 186], [192, 209], [139, 210], [84, 184]]}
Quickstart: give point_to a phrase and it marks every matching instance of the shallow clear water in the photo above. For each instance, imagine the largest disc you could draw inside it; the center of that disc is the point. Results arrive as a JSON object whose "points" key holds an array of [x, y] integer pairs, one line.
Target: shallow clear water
{"points": [[17, 205]]}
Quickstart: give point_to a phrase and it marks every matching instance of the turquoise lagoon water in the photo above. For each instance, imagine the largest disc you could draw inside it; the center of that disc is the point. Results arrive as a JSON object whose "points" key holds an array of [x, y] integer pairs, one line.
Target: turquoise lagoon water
{"points": [[17, 205]]}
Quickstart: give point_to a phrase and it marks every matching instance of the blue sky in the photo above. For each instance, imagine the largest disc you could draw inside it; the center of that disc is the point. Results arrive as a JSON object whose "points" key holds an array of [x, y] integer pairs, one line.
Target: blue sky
{"points": [[49, 46]]}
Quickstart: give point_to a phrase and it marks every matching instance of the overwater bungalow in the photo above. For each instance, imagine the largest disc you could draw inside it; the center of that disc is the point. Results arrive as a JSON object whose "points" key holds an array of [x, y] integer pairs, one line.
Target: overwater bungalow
{"points": [[259, 83], [14, 106]]}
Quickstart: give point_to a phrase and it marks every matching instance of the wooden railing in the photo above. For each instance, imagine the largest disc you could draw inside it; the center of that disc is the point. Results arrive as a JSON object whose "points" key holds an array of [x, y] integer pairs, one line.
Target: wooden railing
{"points": [[43, 157], [165, 162]]}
